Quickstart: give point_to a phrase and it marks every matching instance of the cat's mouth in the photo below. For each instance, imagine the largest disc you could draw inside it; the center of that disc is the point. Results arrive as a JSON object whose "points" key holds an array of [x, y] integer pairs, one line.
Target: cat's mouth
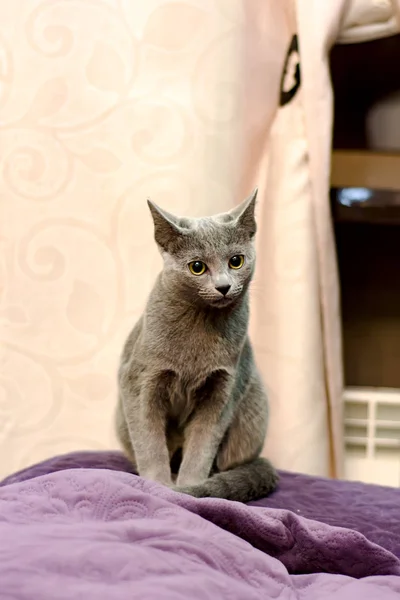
{"points": [[221, 302]]}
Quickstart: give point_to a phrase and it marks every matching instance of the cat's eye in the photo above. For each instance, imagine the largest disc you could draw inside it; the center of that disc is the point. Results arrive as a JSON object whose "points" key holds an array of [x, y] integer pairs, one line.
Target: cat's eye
{"points": [[237, 261], [197, 267]]}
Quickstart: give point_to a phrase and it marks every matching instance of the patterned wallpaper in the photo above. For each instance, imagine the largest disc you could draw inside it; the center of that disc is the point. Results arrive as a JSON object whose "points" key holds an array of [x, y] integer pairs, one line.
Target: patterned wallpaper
{"points": [[102, 103]]}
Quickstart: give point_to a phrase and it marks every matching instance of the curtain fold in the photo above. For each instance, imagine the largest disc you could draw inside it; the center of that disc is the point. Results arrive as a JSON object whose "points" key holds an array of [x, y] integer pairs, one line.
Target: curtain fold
{"points": [[318, 29], [296, 317]]}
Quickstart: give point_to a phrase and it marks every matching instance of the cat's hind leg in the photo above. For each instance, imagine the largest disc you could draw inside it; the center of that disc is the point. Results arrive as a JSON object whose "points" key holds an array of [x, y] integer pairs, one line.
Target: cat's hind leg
{"points": [[245, 437], [242, 475], [123, 433]]}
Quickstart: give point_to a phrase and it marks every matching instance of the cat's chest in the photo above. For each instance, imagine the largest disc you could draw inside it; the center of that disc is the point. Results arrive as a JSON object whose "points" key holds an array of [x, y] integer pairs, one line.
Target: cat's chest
{"points": [[195, 353], [182, 400], [193, 343]]}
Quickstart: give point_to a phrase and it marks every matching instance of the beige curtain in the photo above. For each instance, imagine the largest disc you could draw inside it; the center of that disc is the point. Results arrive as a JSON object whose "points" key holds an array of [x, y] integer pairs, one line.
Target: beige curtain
{"points": [[106, 102], [296, 324]]}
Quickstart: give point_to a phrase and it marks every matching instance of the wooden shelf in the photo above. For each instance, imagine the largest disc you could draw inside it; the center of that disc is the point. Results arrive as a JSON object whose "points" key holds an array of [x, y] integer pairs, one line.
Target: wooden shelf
{"points": [[373, 170], [365, 187]]}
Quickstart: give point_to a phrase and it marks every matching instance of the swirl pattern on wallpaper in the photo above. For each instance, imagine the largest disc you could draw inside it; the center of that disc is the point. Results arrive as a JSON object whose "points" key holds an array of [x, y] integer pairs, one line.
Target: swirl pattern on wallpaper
{"points": [[103, 103]]}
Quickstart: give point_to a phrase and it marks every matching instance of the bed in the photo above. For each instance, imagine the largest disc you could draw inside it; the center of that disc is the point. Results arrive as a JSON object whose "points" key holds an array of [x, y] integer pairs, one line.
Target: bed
{"points": [[84, 526]]}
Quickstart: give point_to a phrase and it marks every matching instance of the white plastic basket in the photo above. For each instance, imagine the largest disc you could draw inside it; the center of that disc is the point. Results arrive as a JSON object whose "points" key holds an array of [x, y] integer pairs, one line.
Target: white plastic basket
{"points": [[372, 435]]}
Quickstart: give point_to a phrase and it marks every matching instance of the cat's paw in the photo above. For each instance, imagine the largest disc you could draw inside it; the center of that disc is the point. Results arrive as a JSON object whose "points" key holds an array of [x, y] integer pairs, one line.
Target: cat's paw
{"points": [[197, 491], [189, 481], [163, 479], [171, 485]]}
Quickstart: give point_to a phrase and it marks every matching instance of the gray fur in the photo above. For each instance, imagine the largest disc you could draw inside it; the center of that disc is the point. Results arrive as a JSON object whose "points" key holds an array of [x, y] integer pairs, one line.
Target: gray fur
{"points": [[187, 379]]}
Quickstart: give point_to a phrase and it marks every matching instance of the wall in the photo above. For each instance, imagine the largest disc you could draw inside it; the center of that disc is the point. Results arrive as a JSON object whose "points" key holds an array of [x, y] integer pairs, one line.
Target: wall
{"points": [[103, 103]]}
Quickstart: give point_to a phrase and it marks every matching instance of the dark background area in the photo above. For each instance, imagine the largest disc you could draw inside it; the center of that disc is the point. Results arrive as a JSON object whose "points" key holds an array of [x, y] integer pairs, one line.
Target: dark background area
{"points": [[367, 237]]}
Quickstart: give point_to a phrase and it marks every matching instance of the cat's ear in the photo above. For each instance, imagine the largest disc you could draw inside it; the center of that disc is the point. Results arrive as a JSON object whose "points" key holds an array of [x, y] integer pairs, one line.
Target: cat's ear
{"points": [[244, 214], [166, 227]]}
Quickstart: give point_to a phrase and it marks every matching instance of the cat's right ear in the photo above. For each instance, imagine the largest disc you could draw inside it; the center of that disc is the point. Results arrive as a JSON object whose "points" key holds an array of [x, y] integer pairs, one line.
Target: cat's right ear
{"points": [[166, 228], [243, 215]]}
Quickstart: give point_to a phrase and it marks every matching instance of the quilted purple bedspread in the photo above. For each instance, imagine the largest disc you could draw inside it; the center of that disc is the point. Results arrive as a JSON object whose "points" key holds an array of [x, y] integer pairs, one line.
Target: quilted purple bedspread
{"points": [[83, 526]]}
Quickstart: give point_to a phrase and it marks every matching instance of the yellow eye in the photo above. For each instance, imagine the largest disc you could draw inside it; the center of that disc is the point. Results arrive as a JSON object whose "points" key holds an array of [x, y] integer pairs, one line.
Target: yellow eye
{"points": [[197, 267], [237, 261]]}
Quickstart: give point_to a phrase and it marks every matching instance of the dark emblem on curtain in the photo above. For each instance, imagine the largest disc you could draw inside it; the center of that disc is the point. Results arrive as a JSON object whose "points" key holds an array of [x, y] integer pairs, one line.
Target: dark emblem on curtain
{"points": [[290, 81]]}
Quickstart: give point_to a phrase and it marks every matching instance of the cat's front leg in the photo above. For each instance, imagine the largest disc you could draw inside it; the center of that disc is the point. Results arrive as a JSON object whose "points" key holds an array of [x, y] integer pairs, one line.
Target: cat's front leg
{"points": [[205, 431], [145, 413]]}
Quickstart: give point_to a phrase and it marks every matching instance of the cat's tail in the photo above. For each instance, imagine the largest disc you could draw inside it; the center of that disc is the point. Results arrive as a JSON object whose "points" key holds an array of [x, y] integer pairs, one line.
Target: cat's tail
{"points": [[247, 482]]}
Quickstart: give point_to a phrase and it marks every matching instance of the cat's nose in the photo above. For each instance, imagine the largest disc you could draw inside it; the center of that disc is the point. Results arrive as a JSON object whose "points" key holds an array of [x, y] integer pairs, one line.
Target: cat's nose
{"points": [[223, 289]]}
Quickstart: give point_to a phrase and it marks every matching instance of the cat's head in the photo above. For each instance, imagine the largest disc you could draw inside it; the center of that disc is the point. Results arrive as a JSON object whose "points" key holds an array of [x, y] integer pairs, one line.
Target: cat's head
{"points": [[208, 259]]}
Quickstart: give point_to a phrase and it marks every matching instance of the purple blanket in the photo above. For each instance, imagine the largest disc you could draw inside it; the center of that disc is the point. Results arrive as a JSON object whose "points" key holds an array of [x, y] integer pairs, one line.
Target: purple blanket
{"points": [[82, 527]]}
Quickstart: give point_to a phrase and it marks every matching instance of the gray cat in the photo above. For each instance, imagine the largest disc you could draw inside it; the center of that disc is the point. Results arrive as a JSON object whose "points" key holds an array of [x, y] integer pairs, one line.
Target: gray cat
{"points": [[190, 396]]}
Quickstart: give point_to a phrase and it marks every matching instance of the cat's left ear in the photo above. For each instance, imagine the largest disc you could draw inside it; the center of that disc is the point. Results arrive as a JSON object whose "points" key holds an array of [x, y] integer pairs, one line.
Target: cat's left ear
{"points": [[244, 214], [166, 227]]}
